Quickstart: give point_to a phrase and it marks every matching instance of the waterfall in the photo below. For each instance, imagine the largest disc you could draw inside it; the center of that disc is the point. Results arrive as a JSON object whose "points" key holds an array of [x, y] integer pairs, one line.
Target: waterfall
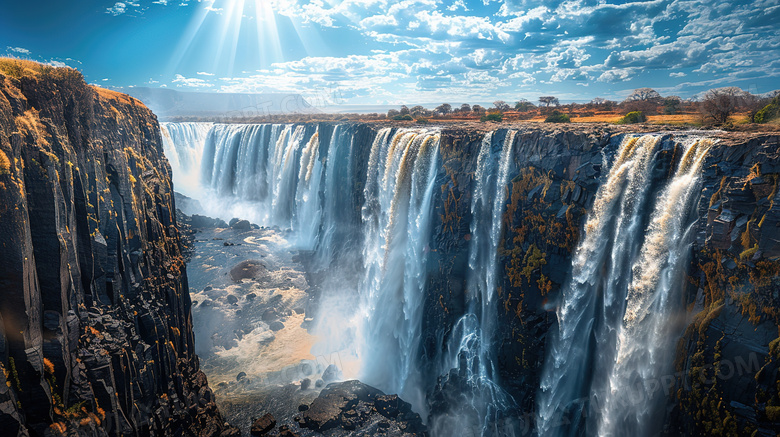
{"points": [[367, 218], [285, 174], [307, 198], [183, 146], [337, 201], [643, 345], [472, 349], [397, 219], [610, 334], [298, 178]]}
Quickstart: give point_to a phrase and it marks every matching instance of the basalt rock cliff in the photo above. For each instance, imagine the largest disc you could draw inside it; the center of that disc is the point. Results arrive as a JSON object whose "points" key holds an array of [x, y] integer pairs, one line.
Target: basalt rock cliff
{"points": [[726, 370], [95, 327]]}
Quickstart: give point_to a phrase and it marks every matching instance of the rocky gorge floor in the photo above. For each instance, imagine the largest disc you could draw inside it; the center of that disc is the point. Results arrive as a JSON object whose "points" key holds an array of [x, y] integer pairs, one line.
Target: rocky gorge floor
{"points": [[252, 308]]}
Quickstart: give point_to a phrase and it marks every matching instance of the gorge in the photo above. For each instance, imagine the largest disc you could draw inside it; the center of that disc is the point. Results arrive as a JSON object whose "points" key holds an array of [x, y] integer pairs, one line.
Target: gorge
{"points": [[385, 278], [598, 280]]}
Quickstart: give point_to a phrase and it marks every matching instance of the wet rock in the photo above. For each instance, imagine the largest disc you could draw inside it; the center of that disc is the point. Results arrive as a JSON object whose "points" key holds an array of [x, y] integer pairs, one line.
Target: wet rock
{"points": [[276, 326], [201, 221], [266, 338], [241, 225], [232, 299], [240, 376], [285, 431], [305, 384], [331, 373], [249, 269], [347, 407], [263, 425], [269, 315]]}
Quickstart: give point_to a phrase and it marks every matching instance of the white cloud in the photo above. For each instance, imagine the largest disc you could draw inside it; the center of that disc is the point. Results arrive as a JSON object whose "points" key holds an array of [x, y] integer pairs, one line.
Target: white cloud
{"points": [[119, 8], [19, 50], [502, 48], [191, 82], [616, 75]]}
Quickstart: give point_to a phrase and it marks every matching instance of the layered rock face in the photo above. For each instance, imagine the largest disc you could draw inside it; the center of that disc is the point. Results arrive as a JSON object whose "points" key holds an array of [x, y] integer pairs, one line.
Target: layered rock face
{"points": [[95, 331]]}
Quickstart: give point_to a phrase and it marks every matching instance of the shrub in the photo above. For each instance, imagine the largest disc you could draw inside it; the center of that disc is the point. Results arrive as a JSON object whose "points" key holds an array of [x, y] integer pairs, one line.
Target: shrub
{"points": [[405, 117], [633, 118], [769, 112], [422, 121], [557, 117], [493, 116]]}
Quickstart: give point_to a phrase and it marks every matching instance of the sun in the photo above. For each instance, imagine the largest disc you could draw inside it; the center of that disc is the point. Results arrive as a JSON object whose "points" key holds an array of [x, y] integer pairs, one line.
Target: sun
{"points": [[236, 30]]}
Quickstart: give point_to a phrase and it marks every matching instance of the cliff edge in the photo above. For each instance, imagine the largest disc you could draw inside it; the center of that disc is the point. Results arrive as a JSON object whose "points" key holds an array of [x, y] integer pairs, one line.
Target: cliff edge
{"points": [[95, 326]]}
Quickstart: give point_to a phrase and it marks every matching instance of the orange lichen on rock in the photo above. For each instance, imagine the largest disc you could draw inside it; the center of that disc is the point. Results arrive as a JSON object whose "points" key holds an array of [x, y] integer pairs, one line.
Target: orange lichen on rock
{"points": [[48, 366]]}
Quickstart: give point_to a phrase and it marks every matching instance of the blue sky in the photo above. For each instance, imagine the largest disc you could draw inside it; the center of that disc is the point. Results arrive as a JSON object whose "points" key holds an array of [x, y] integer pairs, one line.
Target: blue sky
{"points": [[408, 51]]}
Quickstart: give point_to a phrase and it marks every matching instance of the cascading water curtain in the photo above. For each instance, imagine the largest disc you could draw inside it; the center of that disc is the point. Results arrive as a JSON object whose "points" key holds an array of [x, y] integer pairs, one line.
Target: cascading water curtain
{"points": [[183, 146], [612, 341], [397, 216]]}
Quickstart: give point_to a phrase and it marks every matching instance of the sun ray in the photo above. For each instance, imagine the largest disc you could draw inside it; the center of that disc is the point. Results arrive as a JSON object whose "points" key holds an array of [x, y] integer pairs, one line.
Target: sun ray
{"points": [[269, 45]]}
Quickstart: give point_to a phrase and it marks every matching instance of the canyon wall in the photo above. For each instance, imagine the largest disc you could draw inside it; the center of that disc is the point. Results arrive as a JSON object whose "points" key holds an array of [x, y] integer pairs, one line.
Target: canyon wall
{"points": [[725, 375], [95, 325], [468, 346]]}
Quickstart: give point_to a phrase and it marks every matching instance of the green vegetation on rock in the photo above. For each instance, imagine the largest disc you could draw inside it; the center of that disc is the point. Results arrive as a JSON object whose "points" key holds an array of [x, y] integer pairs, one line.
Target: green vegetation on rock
{"points": [[769, 112]]}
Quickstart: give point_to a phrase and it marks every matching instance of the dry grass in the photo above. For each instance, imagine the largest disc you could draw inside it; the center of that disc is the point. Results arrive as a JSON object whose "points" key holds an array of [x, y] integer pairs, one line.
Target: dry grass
{"points": [[116, 96], [599, 118], [19, 68], [30, 124], [677, 119]]}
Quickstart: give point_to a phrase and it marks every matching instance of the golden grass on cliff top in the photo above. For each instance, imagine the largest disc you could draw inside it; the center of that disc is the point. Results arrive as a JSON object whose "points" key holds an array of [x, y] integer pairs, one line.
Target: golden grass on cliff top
{"points": [[19, 68], [114, 95]]}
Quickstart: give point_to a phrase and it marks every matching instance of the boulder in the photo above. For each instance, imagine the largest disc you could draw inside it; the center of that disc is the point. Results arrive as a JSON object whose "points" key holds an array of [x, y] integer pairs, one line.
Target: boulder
{"points": [[248, 269], [263, 425], [352, 407], [241, 225], [331, 373]]}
